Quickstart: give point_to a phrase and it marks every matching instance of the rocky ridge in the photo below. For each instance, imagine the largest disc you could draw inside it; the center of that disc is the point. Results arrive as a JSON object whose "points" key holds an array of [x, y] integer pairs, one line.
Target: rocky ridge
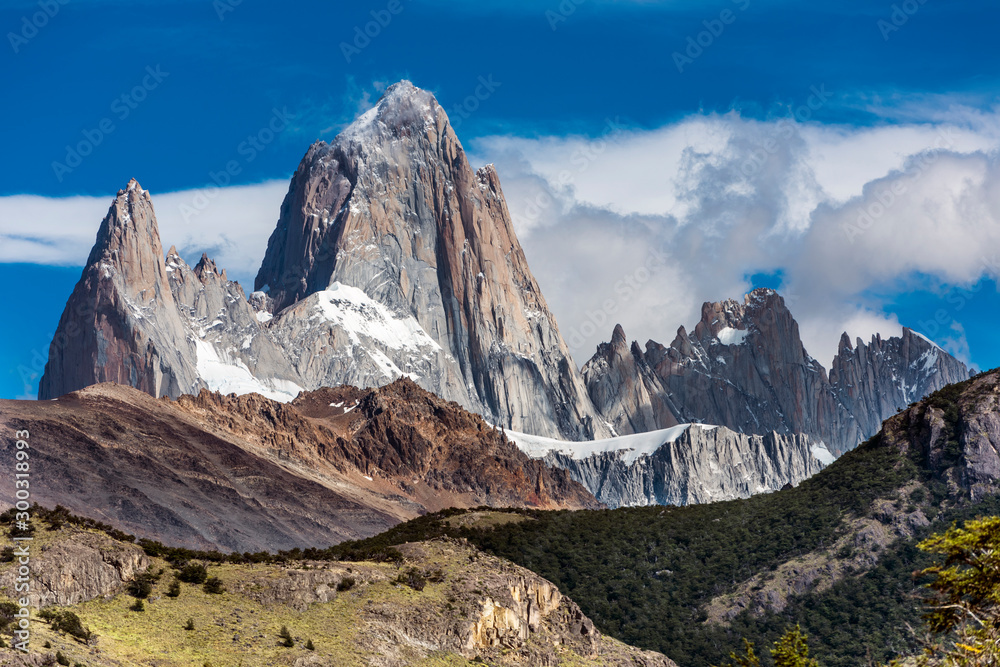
{"points": [[249, 473], [683, 465], [744, 367]]}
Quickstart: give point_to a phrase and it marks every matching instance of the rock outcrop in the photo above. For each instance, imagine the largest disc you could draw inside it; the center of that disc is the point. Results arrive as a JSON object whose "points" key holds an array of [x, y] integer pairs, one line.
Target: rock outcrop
{"points": [[955, 433], [744, 367], [81, 566], [248, 473], [506, 615], [683, 465]]}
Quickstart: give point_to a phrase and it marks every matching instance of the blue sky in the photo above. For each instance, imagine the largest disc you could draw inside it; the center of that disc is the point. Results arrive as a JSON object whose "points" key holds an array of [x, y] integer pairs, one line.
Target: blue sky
{"points": [[200, 77]]}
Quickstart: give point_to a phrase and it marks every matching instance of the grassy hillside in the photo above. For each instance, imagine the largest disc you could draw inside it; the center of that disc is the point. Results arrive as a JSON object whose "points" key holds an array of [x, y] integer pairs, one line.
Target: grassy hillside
{"points": [[835, 554], [440, 603]]}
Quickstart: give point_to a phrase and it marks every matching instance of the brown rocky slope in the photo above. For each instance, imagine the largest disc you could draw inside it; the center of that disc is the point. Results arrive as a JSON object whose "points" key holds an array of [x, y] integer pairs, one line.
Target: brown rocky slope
{"points": [[248, 473]]}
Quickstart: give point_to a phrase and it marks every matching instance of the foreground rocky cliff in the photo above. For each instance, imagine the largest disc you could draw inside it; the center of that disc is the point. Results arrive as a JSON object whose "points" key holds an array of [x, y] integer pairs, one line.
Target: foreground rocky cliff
{"points": [[248, 473], [744, 367], [444, 603], [683, 465]]}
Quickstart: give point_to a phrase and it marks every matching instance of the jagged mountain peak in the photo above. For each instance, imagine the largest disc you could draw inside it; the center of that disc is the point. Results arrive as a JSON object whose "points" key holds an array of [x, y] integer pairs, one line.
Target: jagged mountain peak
{"points": [[128, 227], [206, 266], [618, 338]]}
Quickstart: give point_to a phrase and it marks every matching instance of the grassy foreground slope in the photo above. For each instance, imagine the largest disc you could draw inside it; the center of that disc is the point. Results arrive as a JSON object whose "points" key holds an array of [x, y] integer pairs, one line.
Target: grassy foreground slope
{"points": [[435, 604], [835, 554]]}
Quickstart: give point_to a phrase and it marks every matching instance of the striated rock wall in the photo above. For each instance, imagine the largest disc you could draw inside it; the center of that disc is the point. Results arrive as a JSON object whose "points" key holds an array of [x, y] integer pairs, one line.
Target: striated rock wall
{"points": [[700, 465]]}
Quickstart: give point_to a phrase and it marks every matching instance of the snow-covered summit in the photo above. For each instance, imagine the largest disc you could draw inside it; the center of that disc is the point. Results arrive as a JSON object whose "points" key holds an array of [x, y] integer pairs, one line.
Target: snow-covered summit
{"points": [[401, 105]]}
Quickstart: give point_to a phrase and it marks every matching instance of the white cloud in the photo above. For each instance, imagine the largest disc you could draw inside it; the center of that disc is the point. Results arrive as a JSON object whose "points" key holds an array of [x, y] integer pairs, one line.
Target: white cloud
{"points": [[231, 224], [723, 197]]}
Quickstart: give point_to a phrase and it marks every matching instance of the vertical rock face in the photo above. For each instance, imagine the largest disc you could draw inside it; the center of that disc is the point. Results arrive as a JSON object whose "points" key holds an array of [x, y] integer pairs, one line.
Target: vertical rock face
{"points": [[684, 465], [393, 257], [121, 322], [744, 367], [878, 380], [152, 322]]}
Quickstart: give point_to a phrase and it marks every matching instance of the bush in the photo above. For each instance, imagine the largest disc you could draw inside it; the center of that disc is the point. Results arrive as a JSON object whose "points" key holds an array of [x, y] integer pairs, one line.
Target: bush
{"points": [[7, 611], [310, 646], [61, 659], [286, 637], [412, 578], [68, 622], [346, 584], [193, 573], [138, 606], [189, 625], [141, 586], [214, 586], [174, 590]]}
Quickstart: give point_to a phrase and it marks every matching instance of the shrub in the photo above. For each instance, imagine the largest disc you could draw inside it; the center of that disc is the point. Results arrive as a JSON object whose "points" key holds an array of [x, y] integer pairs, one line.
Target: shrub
{"points": [[189, 625], [7, 611], [286, 637], [174, 590], [346, 584], [193, 573], [214, 586], [141, 586], [61, 659], [138, 606], [310, 646], [68, 622], [412, 578]]}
